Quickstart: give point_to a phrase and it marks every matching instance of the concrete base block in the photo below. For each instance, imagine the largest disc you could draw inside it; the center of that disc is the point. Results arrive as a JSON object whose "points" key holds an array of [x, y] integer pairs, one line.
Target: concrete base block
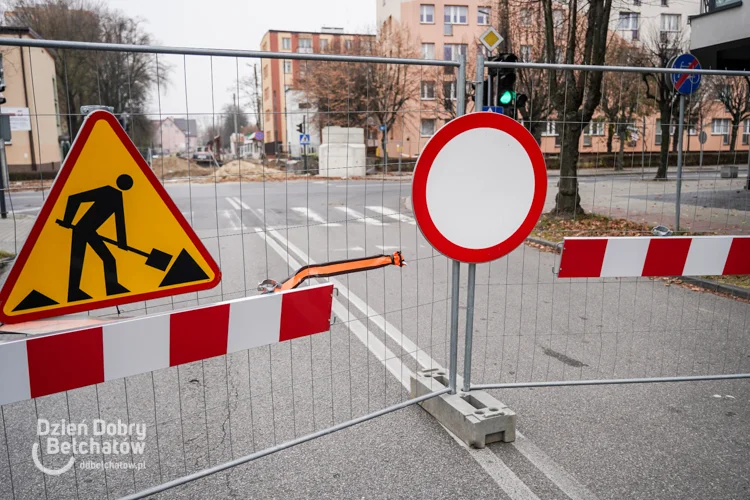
{"points": [[477, 418], [729, 172]]}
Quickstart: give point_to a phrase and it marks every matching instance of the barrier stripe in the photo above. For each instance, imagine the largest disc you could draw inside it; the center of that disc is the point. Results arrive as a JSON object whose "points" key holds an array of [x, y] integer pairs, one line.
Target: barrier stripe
{"points": [[39, 366], [623, 257]]}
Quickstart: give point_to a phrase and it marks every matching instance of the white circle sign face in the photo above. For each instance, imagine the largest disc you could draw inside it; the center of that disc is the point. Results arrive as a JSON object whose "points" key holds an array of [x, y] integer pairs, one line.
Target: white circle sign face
{"points": [[483, 190], [479, 187]]}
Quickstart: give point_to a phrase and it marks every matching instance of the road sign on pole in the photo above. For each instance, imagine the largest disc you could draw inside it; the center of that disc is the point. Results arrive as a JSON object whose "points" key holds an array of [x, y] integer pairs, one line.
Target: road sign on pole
{"points": [[479, 187], [108, 234], [304, 139], [491, 39], [685, 83]]}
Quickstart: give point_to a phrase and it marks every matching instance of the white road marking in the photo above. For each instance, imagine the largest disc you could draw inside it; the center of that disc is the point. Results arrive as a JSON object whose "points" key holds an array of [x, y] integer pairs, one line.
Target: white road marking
{"points": [[495, 467], [234, 204], [315, 217], [386, 248], [358, 216], [24, 210], [392, 214], [241, 203], [351, 249], [376, 347], [234, 220]]}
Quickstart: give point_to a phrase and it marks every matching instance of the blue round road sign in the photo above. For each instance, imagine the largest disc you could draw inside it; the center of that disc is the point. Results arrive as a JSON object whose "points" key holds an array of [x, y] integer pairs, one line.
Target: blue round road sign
{"points": [[686, 83]]}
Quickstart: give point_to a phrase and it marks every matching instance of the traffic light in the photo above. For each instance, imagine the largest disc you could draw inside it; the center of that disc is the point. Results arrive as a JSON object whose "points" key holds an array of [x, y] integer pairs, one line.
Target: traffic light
{"points": [[301, 128]]}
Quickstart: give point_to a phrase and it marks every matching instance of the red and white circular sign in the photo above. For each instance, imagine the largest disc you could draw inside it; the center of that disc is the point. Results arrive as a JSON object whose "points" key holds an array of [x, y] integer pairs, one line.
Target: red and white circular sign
{"points": [[479, 187]]}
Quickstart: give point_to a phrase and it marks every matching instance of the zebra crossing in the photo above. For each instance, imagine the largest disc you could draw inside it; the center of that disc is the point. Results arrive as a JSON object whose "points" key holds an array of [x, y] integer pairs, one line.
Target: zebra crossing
{"points": [[377, 216]]}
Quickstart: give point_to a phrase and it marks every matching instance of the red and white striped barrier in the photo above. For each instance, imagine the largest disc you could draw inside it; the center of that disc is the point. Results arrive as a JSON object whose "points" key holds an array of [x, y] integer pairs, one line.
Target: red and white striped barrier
{"points": [[658, 256], [35, 367]]}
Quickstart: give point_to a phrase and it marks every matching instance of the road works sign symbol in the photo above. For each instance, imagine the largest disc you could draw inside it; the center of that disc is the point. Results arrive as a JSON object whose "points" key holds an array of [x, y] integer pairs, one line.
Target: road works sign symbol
{"points": [[685, 83], [479, 187], [107, 234]]}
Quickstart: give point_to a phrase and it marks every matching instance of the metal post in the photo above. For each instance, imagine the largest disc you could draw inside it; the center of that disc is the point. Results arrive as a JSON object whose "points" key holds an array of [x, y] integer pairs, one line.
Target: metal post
{"points": [[489, 89], [700, 160], [3, 177], [456, 275], [643, 149], [461, 86], [400, 154], [304, 146], [479, 84], [679, 161], [453, 368], [469, 326]]}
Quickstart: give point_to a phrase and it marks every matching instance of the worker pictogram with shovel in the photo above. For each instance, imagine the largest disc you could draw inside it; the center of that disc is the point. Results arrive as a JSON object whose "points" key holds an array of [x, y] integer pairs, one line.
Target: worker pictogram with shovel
{"points": [[107, 201]]}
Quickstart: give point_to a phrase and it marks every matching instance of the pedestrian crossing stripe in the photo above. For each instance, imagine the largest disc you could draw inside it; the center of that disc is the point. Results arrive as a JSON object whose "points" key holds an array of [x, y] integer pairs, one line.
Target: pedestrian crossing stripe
{"points": [[108, 234]]}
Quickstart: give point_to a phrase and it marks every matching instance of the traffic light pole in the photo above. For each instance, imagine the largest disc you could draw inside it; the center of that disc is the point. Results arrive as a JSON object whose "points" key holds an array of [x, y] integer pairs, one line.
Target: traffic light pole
{"points": [[3, 177], [304, 145]]}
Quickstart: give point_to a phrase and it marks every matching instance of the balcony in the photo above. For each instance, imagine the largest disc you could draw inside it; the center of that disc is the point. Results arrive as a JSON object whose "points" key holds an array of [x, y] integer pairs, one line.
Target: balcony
{"points": [[719, 36]]}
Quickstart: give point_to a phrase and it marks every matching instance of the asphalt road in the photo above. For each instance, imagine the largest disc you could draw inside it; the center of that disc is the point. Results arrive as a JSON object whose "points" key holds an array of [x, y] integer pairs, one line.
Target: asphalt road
{"points": [[682, 440]]}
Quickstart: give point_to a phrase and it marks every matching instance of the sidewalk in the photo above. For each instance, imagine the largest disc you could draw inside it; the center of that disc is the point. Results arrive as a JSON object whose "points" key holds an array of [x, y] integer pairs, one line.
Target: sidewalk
{"points": [[13, 232]]}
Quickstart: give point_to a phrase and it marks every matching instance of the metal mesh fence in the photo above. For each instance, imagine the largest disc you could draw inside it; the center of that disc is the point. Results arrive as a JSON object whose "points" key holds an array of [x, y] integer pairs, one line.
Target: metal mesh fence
{"points": [[532, 327], [266, 212]]}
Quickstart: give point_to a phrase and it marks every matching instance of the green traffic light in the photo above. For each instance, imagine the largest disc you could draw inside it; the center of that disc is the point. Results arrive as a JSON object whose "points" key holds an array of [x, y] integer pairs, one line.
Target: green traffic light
{"points": [[507, 97]]}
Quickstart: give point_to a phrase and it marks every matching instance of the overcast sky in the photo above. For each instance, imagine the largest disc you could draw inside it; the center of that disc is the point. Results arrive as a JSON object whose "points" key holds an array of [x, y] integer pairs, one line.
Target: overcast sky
{"points": [[229, 24]]}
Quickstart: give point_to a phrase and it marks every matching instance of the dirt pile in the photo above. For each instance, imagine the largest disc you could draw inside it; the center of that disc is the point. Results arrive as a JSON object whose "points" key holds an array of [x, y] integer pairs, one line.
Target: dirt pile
{"points": [[246, 168], [173, 167]]}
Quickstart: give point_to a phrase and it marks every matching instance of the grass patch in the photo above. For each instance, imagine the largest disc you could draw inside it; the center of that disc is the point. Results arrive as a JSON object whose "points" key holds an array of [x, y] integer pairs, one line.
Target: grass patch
{"points": [[741, 281], [5, 255], [554, 229]]}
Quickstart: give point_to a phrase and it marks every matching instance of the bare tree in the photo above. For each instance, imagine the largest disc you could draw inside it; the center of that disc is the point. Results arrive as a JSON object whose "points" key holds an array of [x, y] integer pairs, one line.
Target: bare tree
{"points": [[575, 94], [249, 87], [660, 49], [364, 94], [734, 94], [121, 80], [623, 96]]}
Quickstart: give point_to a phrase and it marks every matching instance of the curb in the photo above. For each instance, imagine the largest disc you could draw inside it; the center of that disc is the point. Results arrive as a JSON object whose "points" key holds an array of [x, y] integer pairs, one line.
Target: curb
{"points": [[714, 286]]}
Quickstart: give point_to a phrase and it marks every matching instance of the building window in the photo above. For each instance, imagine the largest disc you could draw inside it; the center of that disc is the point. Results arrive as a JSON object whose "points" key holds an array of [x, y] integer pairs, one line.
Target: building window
{"points": [[451, 51], [550, 130], [427, 128], [428, 90], [692, 129], [525, 53], [665, 3], [483, 15], [428, 51], [594, 129], [427, 14], [287, 67], [527, 17], [456, 14], [449, 90], [629, 24], [746, 132], [670, 23], [637, 3], [720, 126], [348, 44], [558, 17], [286, 43], [305, 46], [323, 45]]}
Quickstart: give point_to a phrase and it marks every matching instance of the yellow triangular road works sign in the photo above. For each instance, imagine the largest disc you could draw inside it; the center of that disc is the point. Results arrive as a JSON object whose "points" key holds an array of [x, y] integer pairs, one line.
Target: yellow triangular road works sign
{"points": [[108, 234]]}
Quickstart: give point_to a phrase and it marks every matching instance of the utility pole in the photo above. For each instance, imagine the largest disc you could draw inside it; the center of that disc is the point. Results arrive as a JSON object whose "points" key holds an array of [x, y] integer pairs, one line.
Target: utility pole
{"points": [[3, 159], [304, 142], [236, 134]]}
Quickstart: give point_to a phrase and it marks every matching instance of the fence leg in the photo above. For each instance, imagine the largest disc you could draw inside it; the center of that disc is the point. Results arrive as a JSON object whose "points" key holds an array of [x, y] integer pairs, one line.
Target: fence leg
{"points": [[679, 162], [453, 368], [469, 326]]}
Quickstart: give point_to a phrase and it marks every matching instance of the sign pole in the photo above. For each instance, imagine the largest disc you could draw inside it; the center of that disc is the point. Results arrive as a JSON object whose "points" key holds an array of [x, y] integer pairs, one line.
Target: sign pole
{"points": [[679, 161], [3, 177], [471, 285], [456, 274]]}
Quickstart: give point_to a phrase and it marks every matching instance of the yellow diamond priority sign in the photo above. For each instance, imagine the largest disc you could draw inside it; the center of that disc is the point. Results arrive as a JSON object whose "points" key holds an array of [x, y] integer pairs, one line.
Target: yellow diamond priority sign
{"points": [[491, 39], [108, 234]]}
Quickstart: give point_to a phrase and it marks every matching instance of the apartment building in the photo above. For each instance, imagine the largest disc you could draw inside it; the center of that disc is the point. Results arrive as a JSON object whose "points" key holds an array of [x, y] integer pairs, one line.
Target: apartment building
{"points": [[445, 29], [31, 94], [283, 81]]}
